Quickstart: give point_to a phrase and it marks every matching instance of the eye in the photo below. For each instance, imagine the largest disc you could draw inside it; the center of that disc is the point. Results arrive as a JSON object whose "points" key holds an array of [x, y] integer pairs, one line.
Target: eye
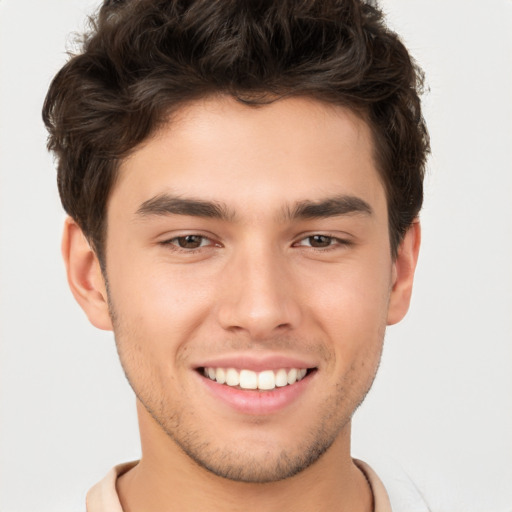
{"points": [[189, 241], [319, 241]]}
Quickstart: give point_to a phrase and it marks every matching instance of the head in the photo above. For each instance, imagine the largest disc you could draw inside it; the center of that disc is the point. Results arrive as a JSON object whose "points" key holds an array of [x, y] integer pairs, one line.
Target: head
{"points": [[246, 176]]}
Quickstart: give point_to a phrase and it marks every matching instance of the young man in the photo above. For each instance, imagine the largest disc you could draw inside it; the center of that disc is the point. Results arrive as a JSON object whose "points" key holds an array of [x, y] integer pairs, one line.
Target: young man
{"points": [[243, 181]]}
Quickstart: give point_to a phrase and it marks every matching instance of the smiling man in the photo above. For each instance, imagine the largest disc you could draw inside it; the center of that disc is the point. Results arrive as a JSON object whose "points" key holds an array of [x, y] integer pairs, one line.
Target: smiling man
{"points": [[243, 181]]}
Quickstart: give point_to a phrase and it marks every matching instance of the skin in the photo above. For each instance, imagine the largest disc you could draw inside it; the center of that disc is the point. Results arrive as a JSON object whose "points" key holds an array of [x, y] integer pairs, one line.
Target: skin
{"points": [[258, 285]]}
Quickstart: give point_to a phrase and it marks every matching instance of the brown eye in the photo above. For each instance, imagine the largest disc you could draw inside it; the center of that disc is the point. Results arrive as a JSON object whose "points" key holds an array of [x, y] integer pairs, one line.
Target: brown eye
{"points": [[320, 241], [190, 241]]}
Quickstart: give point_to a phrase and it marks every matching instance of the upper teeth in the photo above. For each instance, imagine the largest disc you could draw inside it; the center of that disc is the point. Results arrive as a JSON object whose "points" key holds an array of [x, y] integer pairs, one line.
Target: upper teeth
{"points": [[247, 379]]}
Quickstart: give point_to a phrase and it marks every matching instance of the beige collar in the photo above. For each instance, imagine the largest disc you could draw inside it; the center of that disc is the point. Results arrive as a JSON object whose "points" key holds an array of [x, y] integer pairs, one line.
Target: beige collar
{"points": [[103, 496]]}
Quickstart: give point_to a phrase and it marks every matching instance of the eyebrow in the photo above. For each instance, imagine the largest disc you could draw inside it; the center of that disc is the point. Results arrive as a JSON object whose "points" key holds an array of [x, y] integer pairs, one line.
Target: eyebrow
{"points": [[328, 207], [166, 204]]}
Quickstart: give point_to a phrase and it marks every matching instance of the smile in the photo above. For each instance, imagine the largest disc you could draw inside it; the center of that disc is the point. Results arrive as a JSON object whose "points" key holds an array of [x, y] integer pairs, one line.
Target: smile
{"points": [[247, 379]]}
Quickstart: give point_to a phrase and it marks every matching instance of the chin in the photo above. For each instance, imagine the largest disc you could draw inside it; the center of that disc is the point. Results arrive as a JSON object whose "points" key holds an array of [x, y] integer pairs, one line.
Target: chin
{"points": [[263, 468]]}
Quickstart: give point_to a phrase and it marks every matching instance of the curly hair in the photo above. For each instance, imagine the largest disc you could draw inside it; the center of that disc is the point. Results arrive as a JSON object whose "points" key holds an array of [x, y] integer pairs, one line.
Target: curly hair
{"points": [[142, 60]]}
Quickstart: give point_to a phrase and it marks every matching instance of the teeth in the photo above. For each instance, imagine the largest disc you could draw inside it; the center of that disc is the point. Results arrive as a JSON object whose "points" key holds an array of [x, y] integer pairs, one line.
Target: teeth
{"points": [[281, 378], [232, 377], [266, 380], [292, 376], [220, 375], [248, 379]]}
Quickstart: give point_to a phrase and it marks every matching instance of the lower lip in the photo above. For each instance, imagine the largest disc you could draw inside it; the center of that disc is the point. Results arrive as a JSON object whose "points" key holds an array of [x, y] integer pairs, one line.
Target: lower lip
{"points": [[256, 402]]}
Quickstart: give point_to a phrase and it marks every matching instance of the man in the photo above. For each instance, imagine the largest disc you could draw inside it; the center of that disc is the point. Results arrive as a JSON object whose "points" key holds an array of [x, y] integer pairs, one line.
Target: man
{"points": [[243, 181]]}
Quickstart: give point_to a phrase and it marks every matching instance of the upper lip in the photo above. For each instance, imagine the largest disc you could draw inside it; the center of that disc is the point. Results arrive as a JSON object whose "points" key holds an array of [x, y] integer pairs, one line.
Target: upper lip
{"points": [[257, 363]]}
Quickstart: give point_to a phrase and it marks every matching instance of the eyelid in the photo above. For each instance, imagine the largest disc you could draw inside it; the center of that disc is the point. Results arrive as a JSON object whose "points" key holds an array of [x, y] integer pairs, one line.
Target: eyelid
{"points": [[169, 240], [340, 241]]}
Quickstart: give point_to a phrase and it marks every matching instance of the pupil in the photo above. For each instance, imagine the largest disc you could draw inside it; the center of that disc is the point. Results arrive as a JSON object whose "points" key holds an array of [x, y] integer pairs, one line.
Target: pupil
{"points": [[190, 241], [320, 241]]}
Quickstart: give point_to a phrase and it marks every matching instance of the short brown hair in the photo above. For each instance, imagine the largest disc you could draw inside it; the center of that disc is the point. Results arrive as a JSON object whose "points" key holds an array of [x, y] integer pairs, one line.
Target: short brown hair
{"points": [[143, 59]]}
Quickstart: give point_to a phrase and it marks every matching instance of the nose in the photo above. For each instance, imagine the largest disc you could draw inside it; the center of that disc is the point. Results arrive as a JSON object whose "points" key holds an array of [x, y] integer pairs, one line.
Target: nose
{"points": [[259, 296]]}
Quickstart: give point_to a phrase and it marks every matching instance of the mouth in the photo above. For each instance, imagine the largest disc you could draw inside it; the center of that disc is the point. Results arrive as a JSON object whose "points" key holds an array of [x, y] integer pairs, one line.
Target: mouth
{"points": [[260, 387], [266, 380]]}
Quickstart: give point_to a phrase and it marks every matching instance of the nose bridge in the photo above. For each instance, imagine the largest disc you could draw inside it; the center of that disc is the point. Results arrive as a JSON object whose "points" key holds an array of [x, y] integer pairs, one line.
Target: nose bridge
{"points": [[259, 294]]}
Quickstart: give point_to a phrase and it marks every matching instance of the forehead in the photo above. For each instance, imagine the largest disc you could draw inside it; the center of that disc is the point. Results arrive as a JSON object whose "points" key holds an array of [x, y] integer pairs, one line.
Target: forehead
{"points": [[218, 149]]}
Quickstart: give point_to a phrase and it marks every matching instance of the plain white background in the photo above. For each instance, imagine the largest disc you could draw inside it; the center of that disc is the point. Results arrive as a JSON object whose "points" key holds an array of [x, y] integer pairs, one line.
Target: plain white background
{"points": [[441, 407]]}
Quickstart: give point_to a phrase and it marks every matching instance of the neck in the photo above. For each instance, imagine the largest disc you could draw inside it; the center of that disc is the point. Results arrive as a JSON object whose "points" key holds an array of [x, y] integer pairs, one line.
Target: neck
{"points": [[167, 479]]}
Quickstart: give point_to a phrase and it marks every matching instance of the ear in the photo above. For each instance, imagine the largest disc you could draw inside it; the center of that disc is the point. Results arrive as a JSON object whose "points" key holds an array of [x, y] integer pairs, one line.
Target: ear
{"points": [[84, 275], [403, 273]]}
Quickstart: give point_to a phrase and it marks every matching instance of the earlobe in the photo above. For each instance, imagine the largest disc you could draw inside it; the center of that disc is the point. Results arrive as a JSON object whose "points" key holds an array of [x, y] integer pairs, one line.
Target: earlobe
{"points": [[84, 275], [403, 268]]}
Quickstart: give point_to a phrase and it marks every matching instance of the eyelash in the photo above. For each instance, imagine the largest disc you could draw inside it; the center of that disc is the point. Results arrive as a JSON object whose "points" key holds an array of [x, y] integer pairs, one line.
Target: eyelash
{"points": [[334, 243], [175, 247]]}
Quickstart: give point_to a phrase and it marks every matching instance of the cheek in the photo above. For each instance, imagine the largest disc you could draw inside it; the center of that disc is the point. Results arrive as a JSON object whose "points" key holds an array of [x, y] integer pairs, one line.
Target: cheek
{"points": [[352, 306], [154, 317], [157, 308]]}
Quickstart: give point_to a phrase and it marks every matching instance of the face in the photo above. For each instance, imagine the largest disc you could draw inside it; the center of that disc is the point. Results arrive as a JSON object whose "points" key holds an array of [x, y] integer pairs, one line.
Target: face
{"points": [[250, 245]]}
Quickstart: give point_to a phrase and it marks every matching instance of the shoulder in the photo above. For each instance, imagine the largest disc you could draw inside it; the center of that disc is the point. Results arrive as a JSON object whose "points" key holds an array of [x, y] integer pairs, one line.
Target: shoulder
{"points": [[389, 480], [102, 497]]}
